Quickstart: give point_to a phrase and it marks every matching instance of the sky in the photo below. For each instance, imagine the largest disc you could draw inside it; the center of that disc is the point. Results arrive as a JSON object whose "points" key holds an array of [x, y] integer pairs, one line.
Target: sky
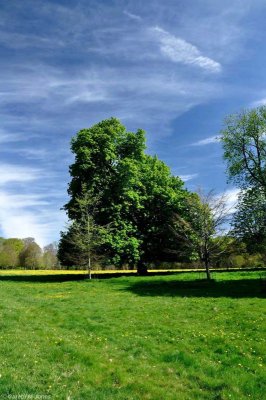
{"points": [[175, 68]]}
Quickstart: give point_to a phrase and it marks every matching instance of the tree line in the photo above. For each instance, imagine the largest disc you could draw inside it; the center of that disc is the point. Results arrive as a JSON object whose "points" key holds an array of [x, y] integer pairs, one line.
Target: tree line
{"points": [[16, 254], [26, 253]]}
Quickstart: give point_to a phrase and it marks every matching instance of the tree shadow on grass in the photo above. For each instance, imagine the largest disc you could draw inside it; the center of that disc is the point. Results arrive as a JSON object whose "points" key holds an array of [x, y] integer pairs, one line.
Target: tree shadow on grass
{"points": [[56, 278], [35, 277], [242, 288]]}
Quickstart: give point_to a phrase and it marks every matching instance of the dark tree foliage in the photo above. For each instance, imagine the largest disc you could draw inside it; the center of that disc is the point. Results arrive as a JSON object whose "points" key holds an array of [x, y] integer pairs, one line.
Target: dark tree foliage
{"points": [[68, 253], [84, 237]]}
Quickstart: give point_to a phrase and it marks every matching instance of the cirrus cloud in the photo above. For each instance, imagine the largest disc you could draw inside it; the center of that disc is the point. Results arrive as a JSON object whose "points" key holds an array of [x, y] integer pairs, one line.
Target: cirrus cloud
{"points": [[178, 50]]}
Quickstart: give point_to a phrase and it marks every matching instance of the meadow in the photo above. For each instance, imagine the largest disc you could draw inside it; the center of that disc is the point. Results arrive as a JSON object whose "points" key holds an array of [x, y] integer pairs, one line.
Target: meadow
{"points": [[155, 337]]}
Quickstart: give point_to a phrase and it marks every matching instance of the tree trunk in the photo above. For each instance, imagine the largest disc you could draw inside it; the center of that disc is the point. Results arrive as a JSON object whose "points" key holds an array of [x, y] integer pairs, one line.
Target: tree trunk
{"points": [[206, 258], [142, 268], [89, 268], [207, 268]]}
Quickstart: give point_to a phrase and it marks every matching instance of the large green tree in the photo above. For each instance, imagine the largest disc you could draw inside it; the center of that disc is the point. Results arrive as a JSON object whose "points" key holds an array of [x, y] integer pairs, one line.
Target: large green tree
{"points": [[138, 192]]}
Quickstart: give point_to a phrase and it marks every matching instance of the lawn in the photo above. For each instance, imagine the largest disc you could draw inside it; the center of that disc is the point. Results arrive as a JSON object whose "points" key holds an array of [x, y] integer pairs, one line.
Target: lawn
{"points": [[156, 337]]}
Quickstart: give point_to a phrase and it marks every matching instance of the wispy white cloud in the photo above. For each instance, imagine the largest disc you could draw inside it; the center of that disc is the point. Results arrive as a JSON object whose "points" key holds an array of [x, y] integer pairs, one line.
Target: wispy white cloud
{"points": [[15, 201], [88, 96], [180, 51], [14, 173], [29, 215], [259, 103], [148, 97], [23, 211], [33, 153], [135, 17], [232, 195], [8, 137], [45, 84], [20, 41], [206, 141], [188, 177], [231, 198]]}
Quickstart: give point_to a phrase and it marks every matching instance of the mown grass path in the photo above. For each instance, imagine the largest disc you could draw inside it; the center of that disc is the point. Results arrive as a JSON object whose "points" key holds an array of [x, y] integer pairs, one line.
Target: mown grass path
{"points": [[158, 337]]}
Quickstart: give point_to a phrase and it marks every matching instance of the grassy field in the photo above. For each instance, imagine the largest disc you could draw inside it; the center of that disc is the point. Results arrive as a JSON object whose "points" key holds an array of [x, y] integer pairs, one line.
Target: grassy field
{"points": [[157, 337]]}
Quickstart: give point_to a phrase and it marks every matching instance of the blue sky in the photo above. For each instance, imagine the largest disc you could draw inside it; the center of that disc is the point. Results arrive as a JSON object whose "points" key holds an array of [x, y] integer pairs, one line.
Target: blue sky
{"points": [[174, 68]]}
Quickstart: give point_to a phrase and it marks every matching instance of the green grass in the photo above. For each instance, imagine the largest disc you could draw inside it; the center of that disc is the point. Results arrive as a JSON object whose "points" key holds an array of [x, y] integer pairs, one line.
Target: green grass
{"points": [[159, 337]]}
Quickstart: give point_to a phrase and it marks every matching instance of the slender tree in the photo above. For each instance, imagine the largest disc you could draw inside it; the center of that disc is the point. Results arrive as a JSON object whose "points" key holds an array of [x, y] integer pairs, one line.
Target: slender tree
{"points": [[84, 235], [202, 232]]}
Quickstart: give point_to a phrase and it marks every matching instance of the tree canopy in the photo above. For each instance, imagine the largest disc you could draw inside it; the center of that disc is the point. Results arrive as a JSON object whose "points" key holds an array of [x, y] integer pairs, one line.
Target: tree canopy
{"points": [[138, 192], [244, 143]]}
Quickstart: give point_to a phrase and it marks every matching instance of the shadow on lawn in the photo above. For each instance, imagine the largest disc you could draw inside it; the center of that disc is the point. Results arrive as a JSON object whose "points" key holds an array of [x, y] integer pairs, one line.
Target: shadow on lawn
{"points": [[71, 277], [242, 288], [235, 288], [42, 278], [56, 278]]}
